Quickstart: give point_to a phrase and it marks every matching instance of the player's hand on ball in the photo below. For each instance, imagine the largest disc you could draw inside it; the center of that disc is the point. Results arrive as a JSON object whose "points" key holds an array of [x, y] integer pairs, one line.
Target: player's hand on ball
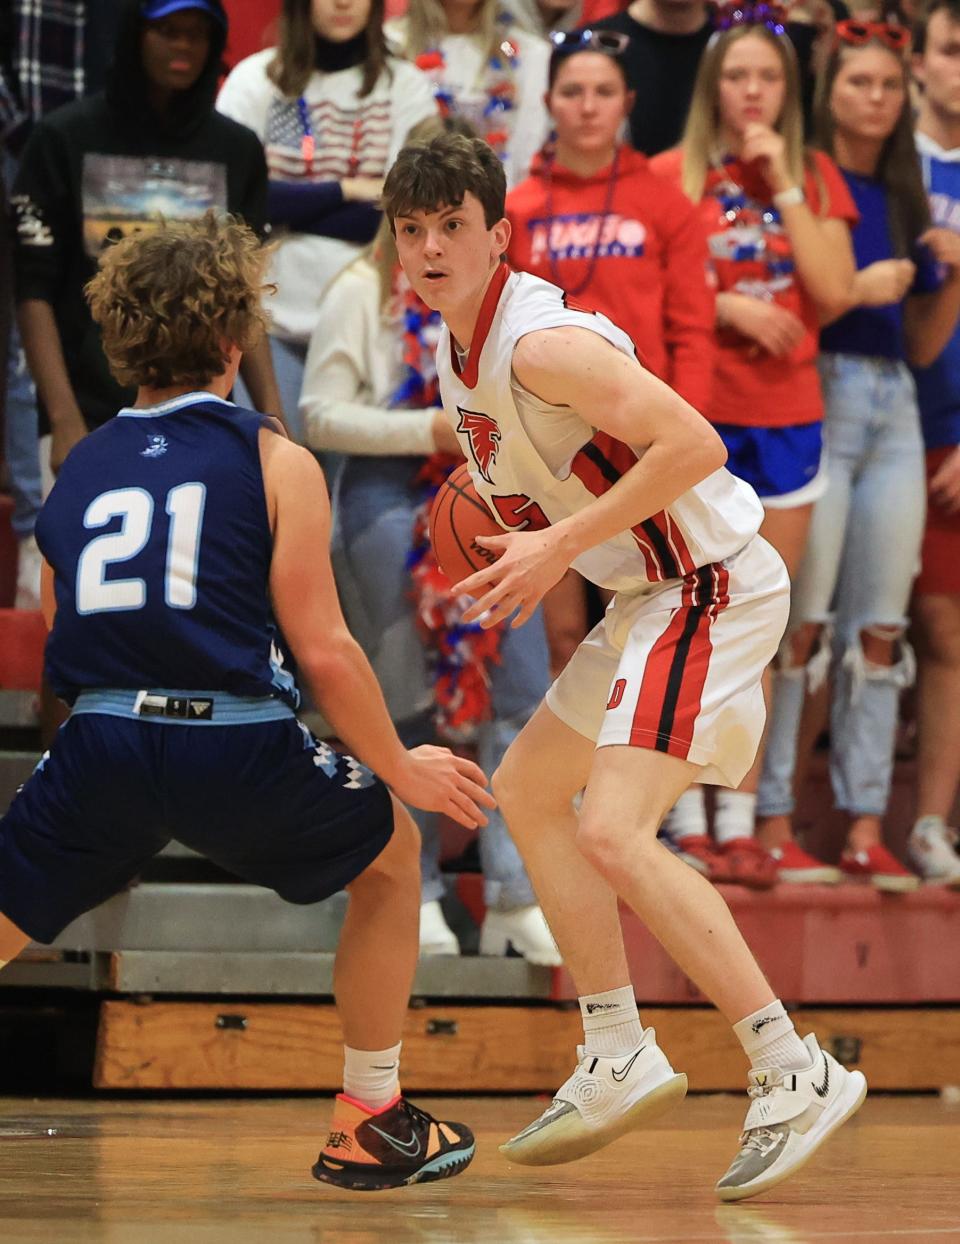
{"points": [[529, 565], [436, 780]]}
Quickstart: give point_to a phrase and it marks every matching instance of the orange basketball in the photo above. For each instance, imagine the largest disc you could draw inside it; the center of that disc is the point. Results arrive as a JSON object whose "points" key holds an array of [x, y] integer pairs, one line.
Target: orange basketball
{"points": [[458, 516]]}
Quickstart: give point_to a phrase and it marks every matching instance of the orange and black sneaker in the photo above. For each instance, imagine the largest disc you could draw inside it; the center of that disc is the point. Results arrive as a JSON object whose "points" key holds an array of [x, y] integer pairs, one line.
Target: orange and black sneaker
{"points": [[400, 1144]]}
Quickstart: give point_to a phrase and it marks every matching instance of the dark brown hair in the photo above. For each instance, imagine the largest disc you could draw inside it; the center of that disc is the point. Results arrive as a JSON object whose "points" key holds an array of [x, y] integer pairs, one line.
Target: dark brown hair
{"points": [[950, 7], [294, 62], [898, 168], [561, 54], [427, 176], [170, 302]]}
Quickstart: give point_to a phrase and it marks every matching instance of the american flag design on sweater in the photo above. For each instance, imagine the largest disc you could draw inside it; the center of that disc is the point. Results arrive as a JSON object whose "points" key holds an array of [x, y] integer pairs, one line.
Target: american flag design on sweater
{"points": [[350, 140]]}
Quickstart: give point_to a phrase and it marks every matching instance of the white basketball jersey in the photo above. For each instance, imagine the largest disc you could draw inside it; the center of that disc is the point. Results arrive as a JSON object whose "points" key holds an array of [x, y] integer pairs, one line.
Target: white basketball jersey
{"points": [[710, 522]]}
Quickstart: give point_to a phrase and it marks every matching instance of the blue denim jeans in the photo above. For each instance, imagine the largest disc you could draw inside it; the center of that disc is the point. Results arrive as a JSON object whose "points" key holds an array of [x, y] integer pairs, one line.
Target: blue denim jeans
{"points": [[861, 559], [20, 431], [376, 507]]}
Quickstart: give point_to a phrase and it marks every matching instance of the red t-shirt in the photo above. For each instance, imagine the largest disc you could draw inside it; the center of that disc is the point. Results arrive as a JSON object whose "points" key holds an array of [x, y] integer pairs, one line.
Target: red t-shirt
{"points": [[750, 253], [635, 250]]}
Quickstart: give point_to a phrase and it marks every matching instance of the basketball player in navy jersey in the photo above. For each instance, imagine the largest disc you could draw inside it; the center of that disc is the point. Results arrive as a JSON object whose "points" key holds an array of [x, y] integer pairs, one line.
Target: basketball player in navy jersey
{"points": [[589, 461], [185, 542]]}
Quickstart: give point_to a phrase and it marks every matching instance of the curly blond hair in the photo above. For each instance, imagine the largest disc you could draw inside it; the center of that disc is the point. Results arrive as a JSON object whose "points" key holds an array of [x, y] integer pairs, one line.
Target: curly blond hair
{"points": [[170, 302]]}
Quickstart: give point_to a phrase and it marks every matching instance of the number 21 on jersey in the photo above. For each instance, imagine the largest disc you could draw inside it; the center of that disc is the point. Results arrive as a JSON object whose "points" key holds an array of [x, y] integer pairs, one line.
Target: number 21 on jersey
{"points": [[135, 509]]}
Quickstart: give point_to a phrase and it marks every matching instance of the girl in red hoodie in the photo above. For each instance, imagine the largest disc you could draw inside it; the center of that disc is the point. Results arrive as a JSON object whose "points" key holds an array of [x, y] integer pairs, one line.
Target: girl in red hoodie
{"points": [[594, 219]]}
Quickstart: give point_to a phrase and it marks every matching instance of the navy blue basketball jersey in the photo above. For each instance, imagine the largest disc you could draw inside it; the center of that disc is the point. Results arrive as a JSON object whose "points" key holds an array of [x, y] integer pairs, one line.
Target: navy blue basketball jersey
{"points": [[158, 535]]}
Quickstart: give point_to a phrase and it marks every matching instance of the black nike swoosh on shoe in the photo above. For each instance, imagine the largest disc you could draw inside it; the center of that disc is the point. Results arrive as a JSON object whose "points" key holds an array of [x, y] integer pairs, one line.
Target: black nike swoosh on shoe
{"points": [[410, 1147], [821, 1090], [621, 1073]]}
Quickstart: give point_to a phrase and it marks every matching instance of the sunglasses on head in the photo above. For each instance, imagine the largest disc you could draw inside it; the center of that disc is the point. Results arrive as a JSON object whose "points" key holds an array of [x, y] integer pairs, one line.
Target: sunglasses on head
{"points": [[772, 16], [856, 34], [613, 42]]}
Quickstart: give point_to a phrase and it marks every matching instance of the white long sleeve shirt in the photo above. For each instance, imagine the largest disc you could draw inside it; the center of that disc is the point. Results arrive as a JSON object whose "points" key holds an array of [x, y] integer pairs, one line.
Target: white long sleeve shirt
{"points": [[354, 366]]}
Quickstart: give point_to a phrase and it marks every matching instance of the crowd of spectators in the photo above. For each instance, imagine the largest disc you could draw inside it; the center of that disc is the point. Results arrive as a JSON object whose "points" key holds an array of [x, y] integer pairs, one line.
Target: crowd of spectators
{"points": [[766, 199]]}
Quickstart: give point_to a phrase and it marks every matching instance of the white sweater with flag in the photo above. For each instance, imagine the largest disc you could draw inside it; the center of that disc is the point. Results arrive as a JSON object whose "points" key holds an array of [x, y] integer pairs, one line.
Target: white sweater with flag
{"points": [[353, 137]]}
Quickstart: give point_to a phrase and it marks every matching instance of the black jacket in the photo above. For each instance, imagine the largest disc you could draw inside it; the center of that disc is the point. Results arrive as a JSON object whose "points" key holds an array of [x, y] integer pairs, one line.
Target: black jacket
{"points": [[96, 170]]}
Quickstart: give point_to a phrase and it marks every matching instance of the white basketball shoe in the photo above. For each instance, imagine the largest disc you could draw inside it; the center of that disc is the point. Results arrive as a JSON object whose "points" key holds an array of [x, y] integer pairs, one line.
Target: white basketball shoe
{"points": [[791, 1114], [604, 1098]]}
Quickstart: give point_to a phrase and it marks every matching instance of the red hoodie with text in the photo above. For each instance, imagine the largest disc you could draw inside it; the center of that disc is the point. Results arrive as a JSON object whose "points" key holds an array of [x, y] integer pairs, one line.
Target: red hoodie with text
{"points": [[636, 250]]}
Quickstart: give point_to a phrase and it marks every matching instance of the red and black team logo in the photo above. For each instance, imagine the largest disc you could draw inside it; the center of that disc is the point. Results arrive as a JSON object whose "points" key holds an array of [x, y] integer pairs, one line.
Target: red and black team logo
{"points": [[484, 436]]}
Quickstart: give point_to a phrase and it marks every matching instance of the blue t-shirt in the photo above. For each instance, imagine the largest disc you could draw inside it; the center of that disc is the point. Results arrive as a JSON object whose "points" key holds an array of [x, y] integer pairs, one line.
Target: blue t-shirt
{"points": [[159, 538], [876, 331], [938, 386]]}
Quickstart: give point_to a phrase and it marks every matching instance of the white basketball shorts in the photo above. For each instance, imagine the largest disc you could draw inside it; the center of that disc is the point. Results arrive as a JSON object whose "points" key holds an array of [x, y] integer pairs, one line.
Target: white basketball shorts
{"points": [[676, 667]]}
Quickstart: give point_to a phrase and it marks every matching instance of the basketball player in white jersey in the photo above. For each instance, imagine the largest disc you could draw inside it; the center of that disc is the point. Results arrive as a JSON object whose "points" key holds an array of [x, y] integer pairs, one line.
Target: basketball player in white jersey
{"points": [[590, 461]]}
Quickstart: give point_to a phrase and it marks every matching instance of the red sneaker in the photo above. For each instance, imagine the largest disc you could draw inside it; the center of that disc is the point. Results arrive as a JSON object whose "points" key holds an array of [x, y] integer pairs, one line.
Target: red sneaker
{"points": [[700, 852], [743, 861], [796, 867], [883, 870]]}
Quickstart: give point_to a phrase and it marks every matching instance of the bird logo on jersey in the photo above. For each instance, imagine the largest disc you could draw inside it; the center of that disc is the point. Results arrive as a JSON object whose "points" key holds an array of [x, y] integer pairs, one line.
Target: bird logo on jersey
{"points": [[156, 446], [484, 436]]}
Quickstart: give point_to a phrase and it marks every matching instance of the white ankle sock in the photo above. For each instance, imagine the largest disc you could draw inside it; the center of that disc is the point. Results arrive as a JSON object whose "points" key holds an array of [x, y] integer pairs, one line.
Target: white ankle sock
{"points": [[688, 816], [931, 824], [769, 1039], [611, 1022], [734, 815], [372, 1077]]}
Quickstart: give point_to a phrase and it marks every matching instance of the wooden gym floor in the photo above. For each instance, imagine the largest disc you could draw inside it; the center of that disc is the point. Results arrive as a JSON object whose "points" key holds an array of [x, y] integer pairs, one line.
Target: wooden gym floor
{"points": [[206, 1171]]}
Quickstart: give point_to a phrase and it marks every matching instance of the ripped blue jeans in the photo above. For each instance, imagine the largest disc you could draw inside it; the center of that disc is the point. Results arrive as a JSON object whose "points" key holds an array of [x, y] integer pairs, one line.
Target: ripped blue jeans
{"points": [[861, 559]]}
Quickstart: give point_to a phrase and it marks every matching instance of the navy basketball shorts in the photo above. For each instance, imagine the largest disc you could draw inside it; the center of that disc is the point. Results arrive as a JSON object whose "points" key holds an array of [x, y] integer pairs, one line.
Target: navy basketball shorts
{"points": [[264, 800]]}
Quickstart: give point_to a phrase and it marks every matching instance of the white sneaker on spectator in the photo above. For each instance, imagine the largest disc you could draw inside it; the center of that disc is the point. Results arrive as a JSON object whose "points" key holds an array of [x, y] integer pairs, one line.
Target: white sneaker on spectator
{"points": [[436, 936], [526, 930], [29, 562], [932, 848]]}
